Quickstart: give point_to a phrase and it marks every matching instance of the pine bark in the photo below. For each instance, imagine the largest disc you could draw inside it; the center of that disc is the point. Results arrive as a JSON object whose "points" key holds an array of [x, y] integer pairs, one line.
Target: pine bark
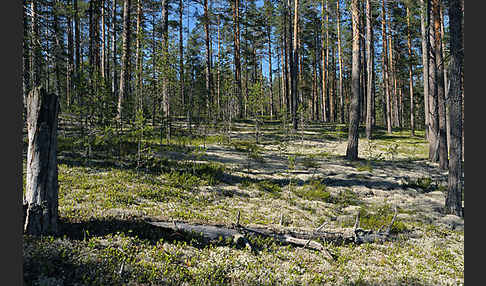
{"points": [[70, 58], [270, 71], [410, 75], [138, 57], [387, 111], [124, 73], [354, 109], [77, 47], [454, 194], [443, 154], [103, 42], [369, 57], [323, 63], [181, 56], [113, 50], [286, 64], [340, 62], [236, 40], [330, 89], [425, 63], [218, 72], [433, 92], [165, 61], [208, 59], [446, 80], [295, 66]]}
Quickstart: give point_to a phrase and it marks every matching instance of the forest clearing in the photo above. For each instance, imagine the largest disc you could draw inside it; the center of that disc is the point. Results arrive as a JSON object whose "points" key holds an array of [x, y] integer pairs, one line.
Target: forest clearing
{"points": [[210, 142], [285, 182]]}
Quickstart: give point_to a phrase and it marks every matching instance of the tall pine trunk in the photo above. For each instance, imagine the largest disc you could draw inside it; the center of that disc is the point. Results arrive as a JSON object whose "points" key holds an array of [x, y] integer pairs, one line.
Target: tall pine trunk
{"points": [[340, 62], [208, 59], [453, 202], [181, 57], [138, 57], [387, 111], [218, 71], [236, 40], [70, 58], [123, 89], [58, 47], [113, 50], [270, 72], [410, 74], [369, 57], [433, 92], [323, 63], [425, 63], [165, 67], [354, 109], [295, 66], [443, 156]]}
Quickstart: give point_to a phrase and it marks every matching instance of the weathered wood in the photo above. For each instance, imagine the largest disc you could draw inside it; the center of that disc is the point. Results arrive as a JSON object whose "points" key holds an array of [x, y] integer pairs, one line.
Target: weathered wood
{"points": [[41, 197], [238, 234]]}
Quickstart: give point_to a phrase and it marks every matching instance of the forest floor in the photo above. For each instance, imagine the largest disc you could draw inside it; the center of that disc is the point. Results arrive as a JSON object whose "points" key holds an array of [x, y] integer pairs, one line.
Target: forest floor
{"points": [[286, 181]]}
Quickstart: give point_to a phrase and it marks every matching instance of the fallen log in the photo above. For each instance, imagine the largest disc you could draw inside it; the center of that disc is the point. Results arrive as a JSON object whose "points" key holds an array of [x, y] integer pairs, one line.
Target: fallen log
{"points": [[239, 235]]}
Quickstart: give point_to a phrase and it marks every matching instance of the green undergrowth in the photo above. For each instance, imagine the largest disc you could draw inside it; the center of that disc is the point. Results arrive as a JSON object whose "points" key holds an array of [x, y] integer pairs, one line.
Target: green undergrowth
{"points": [[104, 199], [316, 190]]}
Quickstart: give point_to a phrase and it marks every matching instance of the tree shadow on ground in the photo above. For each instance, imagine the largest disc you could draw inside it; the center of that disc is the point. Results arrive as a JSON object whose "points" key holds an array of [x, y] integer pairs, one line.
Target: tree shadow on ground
{"points": [[131, 227]]}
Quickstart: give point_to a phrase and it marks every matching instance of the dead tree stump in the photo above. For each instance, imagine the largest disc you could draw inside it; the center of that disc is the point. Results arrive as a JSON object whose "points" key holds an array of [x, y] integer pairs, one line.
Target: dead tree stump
{"points": [[41, 195]]}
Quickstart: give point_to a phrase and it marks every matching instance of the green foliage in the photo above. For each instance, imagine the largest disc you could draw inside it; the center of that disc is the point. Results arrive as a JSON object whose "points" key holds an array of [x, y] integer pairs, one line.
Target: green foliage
{"points": [[314, 190], [380, 216], [183, 180], [425, 184], [363, 167], [272, 189], [346, 198]]}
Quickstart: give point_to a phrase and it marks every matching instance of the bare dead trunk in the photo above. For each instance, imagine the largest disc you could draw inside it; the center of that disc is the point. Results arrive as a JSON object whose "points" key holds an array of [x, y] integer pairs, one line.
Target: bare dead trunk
{"points": [[41, 196]]}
